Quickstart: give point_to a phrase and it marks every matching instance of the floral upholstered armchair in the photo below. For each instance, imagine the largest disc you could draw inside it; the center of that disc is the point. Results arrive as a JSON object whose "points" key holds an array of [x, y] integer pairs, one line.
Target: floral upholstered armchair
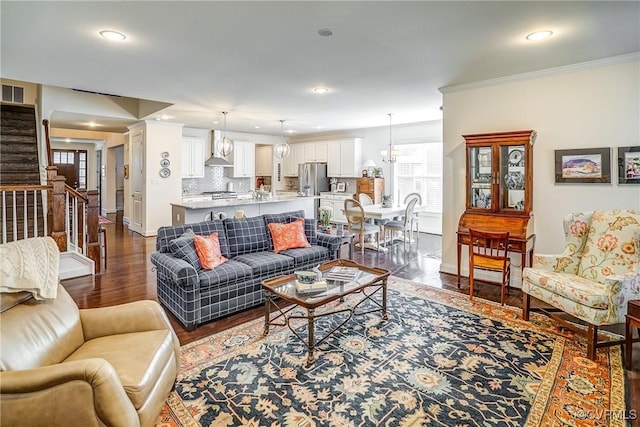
{"points": [[595, 276]]}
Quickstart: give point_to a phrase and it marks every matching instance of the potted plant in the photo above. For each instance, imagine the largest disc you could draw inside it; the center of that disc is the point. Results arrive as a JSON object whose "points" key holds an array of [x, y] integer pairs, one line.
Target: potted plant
{"points": [[387, 201], [377, 172], [325, 218]]}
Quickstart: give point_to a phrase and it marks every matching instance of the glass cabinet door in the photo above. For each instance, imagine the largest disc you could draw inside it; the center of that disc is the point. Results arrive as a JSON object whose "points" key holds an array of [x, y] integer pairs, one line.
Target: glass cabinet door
{"points": [[512, 177], [480, 177]]}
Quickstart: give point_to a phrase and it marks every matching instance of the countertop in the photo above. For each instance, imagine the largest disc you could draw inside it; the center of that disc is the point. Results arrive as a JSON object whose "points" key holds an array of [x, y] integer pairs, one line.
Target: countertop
{"points": [[203, 204]]}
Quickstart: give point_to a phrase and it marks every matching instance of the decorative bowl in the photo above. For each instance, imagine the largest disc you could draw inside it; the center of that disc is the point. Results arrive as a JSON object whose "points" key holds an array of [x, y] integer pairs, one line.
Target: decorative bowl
{"points": [[306, 277]]}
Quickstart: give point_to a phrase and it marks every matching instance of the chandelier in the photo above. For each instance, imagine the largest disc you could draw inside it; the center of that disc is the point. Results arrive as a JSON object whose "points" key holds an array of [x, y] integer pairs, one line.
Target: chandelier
{"points": [[391, 155], [282, 149], [225, 145]]}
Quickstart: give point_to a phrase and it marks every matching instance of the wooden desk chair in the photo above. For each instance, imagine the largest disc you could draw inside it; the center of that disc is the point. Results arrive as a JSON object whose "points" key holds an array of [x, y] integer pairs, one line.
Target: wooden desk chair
{"points": [[488, 252], [357, 224]]}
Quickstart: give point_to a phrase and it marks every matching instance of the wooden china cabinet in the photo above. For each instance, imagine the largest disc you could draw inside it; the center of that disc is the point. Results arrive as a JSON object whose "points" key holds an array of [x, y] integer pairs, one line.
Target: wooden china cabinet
{"points": [[373, 187], [499, 189]]}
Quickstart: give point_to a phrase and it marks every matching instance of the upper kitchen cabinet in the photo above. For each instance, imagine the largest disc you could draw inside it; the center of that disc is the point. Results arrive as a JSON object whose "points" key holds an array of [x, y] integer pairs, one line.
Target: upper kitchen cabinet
{"points": [[264, 160], [243, 158], [193, 153], [296, 156], [344, 158], [315, 151]]}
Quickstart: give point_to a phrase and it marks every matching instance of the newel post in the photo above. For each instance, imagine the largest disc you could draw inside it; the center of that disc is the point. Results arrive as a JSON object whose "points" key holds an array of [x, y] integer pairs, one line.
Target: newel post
{"points": [[93, 245], [56, 208]]}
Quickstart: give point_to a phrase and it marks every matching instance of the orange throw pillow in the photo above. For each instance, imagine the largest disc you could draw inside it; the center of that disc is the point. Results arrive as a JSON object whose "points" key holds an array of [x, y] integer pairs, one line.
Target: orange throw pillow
{"points": [[208, 250], [288, 236]]}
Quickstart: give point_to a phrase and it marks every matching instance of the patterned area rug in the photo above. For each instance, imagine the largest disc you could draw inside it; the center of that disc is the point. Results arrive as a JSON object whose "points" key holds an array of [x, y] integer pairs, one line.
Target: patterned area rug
{"points": [[440, 360]]}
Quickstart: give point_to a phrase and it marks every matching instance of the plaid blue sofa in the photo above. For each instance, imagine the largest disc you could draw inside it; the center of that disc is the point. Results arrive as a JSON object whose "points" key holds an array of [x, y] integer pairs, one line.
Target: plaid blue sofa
{"points": [[195, 295]]}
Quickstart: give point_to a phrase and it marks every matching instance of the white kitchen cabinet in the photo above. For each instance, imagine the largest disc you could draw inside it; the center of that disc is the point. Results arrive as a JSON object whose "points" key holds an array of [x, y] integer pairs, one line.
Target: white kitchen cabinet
{"points": [[243, 158], [295, 157], [264, 160], [335, 201], [315, 151], [193, 153], [344, 158]]}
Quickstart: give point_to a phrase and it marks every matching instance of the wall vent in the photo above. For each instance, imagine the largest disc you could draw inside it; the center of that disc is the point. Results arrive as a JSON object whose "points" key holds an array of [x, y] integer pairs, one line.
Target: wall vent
{"points": [[13, 94]]}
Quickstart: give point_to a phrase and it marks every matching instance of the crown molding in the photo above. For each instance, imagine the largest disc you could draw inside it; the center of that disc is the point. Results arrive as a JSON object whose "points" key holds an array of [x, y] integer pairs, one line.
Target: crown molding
{"points": [[580, 66]]}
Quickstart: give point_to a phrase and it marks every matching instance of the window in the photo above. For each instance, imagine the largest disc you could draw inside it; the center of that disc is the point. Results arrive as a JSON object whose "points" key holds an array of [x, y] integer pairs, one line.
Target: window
{"points": [[418, 169]]}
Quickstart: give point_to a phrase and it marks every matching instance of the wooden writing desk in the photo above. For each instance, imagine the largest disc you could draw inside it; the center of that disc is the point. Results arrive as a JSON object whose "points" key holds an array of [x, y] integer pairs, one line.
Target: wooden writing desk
{"points": [[521, 237]]}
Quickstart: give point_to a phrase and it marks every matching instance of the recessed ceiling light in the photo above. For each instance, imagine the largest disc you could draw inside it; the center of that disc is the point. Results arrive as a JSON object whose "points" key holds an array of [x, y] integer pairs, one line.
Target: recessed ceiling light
{"points": [[112, 35], [320, 90], [215, 122], [319, 127], [539, 35], [256, 127], [289, 131], [92, 124], [158, 118], [325, 32], [165, 117], [67, 140]]}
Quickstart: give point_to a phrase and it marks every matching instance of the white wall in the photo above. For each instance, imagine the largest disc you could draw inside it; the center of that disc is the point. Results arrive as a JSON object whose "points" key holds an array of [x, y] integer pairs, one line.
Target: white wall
{"points": [[585, 106], [160, 192]]}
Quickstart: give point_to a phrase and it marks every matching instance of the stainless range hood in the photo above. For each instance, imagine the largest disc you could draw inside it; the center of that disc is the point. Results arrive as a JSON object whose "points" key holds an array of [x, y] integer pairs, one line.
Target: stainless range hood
{"points": [[213, 160], [217, 161]]}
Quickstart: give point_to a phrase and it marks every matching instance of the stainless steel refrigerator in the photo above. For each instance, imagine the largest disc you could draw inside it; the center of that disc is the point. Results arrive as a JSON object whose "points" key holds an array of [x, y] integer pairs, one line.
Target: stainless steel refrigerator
{"points": [[314, 177]]}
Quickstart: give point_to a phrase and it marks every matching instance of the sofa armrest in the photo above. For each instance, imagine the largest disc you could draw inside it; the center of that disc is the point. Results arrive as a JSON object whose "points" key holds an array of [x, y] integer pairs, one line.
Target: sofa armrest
{"points": [[84, 389], [178, 270], [330, 242]]}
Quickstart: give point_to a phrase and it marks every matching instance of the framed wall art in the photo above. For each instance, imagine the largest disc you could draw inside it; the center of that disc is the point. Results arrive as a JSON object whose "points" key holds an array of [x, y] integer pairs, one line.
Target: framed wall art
{"points": [[629, 165], [585, 165]]}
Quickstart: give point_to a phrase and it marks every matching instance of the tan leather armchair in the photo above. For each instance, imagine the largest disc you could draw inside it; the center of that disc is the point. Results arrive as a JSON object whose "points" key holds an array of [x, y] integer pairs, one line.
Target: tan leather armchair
{"points": [[61, 366]]}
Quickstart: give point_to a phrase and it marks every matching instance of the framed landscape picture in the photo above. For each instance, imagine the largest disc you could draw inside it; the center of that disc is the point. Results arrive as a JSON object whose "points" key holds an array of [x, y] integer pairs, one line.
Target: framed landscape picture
{"points": [[629, 165], [585, 165]]}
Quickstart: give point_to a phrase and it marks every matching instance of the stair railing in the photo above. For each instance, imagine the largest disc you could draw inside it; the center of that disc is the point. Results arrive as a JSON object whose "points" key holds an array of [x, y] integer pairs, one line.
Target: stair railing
{"points": [[16, 212]]}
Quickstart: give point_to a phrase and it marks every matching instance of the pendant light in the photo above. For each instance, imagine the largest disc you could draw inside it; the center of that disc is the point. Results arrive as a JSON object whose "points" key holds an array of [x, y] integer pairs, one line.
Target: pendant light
{"points": [[224, 147], [282, 150]]}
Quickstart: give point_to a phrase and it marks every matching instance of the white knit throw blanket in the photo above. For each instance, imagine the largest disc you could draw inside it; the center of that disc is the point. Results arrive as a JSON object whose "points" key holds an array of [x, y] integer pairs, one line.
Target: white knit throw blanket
{"points": [[30, 265]]}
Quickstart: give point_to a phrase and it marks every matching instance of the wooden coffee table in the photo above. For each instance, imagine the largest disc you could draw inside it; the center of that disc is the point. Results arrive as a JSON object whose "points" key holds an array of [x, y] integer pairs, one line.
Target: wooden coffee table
{"points": [[281, 298]]}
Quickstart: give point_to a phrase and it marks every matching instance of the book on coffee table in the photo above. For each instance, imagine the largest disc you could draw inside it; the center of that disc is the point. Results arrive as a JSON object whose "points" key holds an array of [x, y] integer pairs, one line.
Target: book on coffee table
{"points": [[317, 286], [343, 274]]}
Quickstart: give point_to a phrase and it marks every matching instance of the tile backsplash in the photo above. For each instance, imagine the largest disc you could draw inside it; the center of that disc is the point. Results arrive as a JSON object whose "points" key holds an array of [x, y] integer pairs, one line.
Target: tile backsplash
{"points": [[214, 180]]}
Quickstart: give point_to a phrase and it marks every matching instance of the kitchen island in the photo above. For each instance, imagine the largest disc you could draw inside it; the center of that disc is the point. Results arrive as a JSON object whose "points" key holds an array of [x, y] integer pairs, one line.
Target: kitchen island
{"points": [[189, 212]]}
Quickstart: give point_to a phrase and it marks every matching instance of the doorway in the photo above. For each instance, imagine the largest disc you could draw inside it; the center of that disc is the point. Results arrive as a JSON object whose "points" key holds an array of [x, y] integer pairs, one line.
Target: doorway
{"points": [[72, 164]]}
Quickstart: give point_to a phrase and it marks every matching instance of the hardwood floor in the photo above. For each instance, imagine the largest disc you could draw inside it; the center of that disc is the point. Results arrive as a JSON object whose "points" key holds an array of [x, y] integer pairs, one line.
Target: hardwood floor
{"points": [[129, 276]]}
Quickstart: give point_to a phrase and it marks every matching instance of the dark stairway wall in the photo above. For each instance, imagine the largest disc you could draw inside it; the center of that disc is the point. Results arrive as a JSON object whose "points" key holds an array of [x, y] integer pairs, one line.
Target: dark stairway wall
{"points": [[19, 165], [18, 145]]}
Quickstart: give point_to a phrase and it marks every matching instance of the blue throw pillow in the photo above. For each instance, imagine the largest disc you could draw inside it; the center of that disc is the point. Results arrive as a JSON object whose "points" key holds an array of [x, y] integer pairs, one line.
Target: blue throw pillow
{"points": [[184, 248]]}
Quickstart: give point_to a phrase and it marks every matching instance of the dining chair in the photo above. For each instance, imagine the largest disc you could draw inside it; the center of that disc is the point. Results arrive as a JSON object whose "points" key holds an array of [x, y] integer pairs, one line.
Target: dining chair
{"points": [[356, 222], [415, 214], [365, 200], [403, 225], [488, 252]]}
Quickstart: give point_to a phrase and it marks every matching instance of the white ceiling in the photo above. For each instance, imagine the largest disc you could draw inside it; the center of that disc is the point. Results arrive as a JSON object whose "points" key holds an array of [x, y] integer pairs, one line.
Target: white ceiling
{"points": [[260, 60]]}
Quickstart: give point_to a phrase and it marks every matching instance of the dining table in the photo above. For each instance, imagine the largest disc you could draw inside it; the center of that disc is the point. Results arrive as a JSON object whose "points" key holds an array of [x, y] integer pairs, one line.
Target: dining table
{"points": [[378, 211]]}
